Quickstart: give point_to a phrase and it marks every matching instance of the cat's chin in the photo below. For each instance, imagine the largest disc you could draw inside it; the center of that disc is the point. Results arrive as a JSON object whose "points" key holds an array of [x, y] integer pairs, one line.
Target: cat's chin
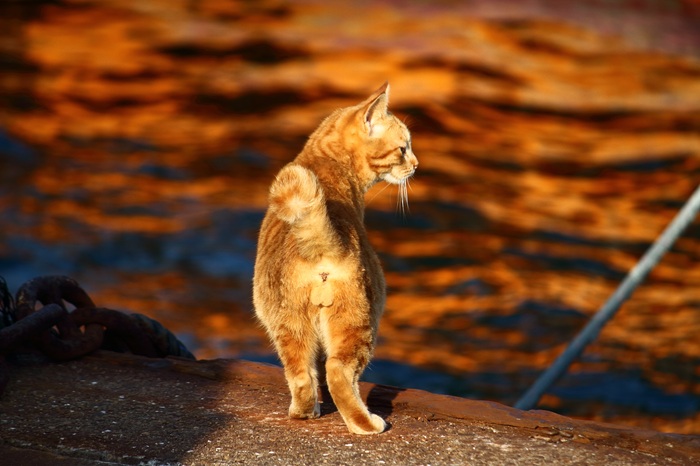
{"points": [[391, 179]]}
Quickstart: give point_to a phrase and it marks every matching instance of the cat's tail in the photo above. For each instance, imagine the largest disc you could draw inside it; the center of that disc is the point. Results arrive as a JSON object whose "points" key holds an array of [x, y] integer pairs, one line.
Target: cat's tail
{"points": [[297, 198]]}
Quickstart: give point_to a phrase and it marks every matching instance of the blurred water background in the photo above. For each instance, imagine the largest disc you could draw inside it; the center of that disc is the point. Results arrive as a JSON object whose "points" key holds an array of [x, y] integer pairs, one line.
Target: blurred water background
{"points": [[556, 140]]}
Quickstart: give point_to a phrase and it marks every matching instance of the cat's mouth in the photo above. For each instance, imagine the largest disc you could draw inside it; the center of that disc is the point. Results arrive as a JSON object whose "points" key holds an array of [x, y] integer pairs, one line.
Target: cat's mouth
{"points": [[399, 179]]}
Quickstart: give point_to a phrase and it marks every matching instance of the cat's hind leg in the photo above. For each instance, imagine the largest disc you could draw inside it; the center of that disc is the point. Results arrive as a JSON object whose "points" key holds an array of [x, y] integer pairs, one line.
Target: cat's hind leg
{"points": [[298, 355], [349, 347]]}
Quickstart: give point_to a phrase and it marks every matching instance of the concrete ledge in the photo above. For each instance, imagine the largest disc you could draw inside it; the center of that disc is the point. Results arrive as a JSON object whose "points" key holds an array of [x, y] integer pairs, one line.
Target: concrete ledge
{"points": [[124, 409]]}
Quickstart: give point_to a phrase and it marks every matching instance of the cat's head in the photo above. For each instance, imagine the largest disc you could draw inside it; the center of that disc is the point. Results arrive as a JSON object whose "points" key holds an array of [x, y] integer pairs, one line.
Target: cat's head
{"points": [[385, 142], [375, 143]]}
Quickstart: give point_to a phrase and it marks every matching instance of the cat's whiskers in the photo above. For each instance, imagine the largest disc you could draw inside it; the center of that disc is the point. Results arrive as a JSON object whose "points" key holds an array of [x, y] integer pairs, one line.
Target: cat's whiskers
{"points": [[402, 199]]}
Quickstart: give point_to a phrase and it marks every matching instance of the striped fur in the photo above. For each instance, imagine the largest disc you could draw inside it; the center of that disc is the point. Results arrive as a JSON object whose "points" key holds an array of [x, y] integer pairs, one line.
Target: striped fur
{"points": [[318, 287]]}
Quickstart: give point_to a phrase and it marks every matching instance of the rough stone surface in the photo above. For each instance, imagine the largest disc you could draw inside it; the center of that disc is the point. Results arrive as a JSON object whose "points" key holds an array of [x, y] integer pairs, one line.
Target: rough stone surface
{"points": [[121, 409]]}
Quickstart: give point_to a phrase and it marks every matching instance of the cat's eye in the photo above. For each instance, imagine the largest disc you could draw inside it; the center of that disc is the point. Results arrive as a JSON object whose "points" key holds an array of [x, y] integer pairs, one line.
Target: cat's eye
{"points": [[403, 151]]}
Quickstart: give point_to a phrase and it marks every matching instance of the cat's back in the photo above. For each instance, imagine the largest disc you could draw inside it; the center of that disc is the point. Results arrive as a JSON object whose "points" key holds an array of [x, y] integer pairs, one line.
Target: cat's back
{"points": [[311, 220]]}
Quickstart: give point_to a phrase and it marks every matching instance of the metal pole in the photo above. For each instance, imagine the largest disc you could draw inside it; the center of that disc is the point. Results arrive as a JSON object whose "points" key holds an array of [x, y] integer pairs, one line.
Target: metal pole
{"points": [[590, 332]]}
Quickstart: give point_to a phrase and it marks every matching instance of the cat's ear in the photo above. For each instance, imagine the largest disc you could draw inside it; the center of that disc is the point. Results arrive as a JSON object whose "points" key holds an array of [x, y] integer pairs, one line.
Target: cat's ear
{"points": [[375, 109]]}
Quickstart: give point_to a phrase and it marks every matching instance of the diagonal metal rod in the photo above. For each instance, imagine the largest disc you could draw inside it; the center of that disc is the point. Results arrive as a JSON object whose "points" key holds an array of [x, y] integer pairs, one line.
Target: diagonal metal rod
{"points": [[590, 332]]}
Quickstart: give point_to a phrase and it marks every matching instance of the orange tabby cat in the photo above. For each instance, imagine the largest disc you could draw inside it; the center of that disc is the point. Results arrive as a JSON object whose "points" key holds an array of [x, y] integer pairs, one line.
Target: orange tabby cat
{"points": [[318, 288]]}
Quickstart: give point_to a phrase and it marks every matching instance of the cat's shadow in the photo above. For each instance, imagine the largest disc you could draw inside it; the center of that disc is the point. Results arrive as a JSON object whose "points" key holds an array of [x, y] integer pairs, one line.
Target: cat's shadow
{"points": [[380, 400], [327, 405]]}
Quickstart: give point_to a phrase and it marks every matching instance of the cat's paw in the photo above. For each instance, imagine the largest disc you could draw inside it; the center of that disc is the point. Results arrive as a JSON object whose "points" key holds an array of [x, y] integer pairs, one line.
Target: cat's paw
{"points": [[296, 412], [377, 425]]}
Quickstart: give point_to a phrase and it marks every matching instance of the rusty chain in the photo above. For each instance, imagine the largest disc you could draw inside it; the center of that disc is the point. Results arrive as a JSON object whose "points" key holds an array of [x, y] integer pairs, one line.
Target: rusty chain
{"points": [[63, 335]]}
